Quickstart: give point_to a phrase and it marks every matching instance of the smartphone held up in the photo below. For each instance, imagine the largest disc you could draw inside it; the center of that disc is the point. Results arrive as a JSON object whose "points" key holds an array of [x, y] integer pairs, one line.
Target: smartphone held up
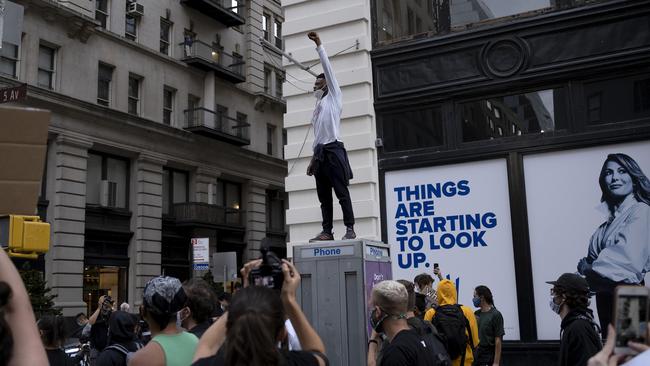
{"points": [[631, 317]]}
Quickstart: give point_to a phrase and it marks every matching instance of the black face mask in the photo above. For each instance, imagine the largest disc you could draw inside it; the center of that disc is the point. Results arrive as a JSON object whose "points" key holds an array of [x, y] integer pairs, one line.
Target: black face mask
{"points": [[377, 324]]}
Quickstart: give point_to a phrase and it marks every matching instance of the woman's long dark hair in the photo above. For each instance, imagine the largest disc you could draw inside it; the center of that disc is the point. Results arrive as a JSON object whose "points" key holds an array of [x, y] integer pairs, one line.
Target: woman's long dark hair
{"points": [[255, 320], [6, 340], [52, 329], [484, 291], [640, 182]]}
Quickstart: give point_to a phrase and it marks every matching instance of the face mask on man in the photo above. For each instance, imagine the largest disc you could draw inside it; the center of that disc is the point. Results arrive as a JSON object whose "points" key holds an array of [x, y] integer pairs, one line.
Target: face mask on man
{"points": [[377, 324], [555, 307], [318, 93], [477, 302]]}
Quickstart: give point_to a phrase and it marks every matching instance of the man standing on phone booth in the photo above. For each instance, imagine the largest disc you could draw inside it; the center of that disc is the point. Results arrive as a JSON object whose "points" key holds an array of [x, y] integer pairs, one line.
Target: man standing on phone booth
{"points": [[329, 164], [580, 334]]}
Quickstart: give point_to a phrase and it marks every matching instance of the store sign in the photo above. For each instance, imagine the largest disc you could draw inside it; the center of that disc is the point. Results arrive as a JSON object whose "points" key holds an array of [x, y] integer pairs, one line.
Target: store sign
{"points": [[201, 250], [14, 94], [459, 217], [568, 222]]}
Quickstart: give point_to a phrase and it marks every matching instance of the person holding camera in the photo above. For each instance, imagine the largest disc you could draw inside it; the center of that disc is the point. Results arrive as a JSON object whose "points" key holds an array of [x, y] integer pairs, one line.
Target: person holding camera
{"points": [[249, 332], [98, 323]]}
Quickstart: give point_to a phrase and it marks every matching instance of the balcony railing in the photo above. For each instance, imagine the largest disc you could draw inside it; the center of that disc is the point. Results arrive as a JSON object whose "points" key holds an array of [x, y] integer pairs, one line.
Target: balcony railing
{"points": [[221, 10], [206, 122], [205, 214], [210, 57]]}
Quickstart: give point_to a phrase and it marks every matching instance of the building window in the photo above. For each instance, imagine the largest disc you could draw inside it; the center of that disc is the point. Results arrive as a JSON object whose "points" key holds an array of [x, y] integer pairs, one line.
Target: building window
{"points": [[134, 94], [100, 280], [275, 211], [235, 6], [270, 138], [131, 27], [267, 80], [168, 105], [284, 140], [193, 104], [165, 36], [594, 102], [104, 79], [624, 98], [9, 60], [279, 79], [175, 189], [396, 20], [534, 112], [277, 34], [412, 129], [101, 12], [46, 64], [242, 122], [266, 22], [228, 195], [107, 181]]}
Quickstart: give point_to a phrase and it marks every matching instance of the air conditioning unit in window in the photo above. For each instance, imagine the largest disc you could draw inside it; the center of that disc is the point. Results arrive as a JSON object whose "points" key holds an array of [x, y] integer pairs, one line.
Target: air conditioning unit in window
{"points": [[108, 194], [135, 10]]}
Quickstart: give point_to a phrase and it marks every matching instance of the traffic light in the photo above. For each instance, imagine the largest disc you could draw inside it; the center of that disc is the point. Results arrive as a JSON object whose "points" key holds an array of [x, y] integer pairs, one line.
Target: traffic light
{"points": [[24, 236]]}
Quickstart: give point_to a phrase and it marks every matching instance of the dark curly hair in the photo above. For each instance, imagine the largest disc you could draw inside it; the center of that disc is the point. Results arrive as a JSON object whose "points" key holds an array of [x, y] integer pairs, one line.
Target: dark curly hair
{"points": [[574, 299], [6, 340]]}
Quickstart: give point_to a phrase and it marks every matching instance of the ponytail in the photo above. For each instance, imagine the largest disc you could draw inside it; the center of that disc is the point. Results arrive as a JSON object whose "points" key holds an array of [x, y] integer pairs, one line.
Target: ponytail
{"points": [[6, 340]]}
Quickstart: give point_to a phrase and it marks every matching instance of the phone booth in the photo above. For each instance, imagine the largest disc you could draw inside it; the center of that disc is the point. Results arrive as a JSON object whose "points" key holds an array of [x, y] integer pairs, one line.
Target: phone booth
{"points": [[337, 280]]}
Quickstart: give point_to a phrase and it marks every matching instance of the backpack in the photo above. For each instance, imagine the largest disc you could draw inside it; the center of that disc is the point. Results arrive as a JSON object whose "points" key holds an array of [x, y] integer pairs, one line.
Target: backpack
{"points": [[432, 339], [451, 324], [128, 355]]}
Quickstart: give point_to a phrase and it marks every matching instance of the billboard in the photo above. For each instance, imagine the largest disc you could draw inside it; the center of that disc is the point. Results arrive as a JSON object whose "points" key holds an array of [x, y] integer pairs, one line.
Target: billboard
{"points": [[458, 216], [568, 222]]}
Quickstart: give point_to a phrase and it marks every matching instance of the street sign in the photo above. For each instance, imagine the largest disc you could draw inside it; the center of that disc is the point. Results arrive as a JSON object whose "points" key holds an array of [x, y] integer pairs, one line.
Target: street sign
{"points": [[13, 94], [201, 250]]}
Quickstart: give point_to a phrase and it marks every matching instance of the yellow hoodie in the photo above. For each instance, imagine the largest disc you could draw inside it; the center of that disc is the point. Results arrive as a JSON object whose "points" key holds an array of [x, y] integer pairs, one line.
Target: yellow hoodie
{"points": [[447, 296]]}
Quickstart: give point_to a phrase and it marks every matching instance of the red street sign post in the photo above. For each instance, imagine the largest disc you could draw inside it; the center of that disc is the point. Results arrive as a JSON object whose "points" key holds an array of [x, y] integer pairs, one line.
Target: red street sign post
{"points": [[14, 94]]}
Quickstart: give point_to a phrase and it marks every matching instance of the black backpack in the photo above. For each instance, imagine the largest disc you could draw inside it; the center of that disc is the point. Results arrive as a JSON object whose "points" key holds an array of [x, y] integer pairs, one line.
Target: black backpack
{"points": [[432, 339], [452, 325]]}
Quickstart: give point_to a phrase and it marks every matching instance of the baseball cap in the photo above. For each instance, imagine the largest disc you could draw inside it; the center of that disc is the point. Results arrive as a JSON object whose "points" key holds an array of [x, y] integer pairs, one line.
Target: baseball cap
{"points": [[571, 282], [164, 295]]}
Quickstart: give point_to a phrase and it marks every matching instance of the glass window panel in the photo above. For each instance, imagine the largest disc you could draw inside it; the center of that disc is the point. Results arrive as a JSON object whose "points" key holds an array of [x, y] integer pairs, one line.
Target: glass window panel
{"points": [[130, 28], [165, 190], [404, 19], [180, 187], [220, 194], [617, 100], [134, 87], [117, 171], [93, 178], [233, 195], [45, 58], [513, 115], [415, 129], [44, 78]]}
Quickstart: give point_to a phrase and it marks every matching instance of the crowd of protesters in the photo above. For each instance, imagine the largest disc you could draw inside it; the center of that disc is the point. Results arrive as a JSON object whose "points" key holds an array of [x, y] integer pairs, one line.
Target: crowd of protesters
{"points": [[413, 323]]}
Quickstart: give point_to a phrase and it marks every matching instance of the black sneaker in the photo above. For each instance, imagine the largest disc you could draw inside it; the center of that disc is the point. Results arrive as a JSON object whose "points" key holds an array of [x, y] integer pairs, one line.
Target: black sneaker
{"points": [[323, 236], [349, 234]]}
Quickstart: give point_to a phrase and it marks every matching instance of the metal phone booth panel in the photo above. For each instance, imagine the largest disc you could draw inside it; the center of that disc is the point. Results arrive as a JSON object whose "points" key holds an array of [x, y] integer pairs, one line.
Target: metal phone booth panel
{"points": [[337, 279]]}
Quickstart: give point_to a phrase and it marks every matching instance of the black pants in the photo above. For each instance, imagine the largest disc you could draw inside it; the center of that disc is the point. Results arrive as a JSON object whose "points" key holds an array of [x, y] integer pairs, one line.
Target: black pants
{"points": [[330, 174], [484, 356]]}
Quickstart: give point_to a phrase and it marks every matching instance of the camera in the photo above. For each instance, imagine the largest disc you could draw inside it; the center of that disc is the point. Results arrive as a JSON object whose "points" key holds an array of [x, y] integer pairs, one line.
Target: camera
{"points": [[269, 274]]}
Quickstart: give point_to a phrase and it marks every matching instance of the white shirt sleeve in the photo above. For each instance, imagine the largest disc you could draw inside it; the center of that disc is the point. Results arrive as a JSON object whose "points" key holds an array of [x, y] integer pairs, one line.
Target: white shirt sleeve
{"points": [[292, 337], [332, 84]]}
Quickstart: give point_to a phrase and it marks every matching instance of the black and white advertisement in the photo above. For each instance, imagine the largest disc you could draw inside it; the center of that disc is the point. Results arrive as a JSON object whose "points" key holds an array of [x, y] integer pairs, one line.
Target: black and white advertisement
{"points": [[588, 213]]}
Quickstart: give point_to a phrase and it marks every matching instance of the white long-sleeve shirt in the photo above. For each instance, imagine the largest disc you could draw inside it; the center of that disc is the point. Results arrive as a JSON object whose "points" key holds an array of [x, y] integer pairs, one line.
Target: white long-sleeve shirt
{"points": [[327, 113]]}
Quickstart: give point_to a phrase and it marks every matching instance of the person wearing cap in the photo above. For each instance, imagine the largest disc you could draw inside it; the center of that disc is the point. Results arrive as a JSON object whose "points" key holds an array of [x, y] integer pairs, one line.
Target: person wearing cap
{"points": [[170, 346], [579, 339]]}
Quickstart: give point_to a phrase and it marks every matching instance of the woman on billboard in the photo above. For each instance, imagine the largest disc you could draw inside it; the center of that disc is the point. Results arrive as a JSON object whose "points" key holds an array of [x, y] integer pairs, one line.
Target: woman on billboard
{"points": [[619, 250]]}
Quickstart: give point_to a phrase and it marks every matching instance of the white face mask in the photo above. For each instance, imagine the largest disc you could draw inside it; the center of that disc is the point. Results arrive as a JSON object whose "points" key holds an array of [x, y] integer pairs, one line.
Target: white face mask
{"points": [[318, 93], [179, 321]]}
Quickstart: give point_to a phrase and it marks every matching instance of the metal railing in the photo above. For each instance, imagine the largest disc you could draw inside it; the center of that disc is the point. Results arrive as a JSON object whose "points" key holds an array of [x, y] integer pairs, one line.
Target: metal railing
{"points": [[204, 213], [214, 55], [203, 117]]}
